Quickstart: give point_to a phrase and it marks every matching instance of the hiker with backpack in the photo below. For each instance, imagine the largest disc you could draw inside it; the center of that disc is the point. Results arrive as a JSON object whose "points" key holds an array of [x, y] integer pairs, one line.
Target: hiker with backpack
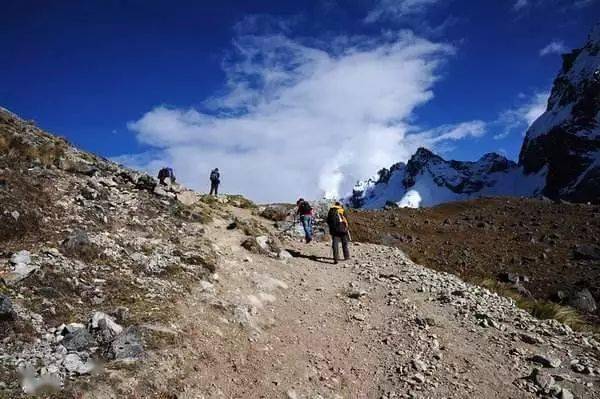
{"points": [[215, 180], [166, 173], [339, 231], [305, 214]]}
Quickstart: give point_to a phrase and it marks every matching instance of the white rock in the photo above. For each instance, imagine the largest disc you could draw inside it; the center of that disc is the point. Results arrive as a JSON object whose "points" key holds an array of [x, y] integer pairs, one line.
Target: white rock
{"points": [[15, 215], [74, 364], [114, 328], [21, 257], [187, 198]]}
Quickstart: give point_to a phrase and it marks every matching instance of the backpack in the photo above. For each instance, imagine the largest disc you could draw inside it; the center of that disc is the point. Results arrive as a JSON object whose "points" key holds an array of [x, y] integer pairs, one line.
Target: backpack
{"points": [[166, 172], [304, 208], [214, 176], [336, 224]]}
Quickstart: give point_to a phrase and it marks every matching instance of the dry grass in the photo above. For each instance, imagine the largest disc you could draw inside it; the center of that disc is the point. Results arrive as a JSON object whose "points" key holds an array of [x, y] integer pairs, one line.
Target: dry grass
{"points": [[16, 149], [240, 201], [540, 309]]}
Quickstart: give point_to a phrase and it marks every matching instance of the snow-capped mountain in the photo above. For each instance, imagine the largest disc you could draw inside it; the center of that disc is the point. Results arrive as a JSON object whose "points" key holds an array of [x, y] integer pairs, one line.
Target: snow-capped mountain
{"points": [[427, 179], [560, 156], [566, 138]]}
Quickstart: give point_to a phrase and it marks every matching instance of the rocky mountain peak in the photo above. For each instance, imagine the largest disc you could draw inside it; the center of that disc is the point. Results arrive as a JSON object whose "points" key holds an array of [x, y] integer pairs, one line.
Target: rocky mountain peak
{"points": [[565, 140], [423, 155]]}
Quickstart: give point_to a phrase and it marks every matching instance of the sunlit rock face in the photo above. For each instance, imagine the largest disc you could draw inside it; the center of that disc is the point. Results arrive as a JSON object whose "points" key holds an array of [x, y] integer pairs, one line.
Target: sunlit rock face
{"points": [[566, 138]]}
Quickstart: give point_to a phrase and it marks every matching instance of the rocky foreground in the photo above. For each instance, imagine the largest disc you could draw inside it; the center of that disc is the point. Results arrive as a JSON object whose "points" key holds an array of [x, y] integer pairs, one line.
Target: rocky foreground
{"points": [[536, 249], [113, 286]]}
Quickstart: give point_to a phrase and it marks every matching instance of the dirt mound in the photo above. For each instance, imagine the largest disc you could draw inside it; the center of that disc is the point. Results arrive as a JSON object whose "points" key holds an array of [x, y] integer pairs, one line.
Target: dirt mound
{"points": [[539, 244]]}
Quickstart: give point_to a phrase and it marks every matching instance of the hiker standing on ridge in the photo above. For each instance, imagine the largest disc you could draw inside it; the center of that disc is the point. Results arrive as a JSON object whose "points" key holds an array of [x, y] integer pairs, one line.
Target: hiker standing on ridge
{"points": [[339, 231], [305, 214], [215, 180], [166, 173]]}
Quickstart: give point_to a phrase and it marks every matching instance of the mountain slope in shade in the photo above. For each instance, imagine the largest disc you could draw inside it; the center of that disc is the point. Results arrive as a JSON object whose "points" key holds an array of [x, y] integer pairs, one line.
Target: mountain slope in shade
{"points": [[566, 138], [428, 179]]}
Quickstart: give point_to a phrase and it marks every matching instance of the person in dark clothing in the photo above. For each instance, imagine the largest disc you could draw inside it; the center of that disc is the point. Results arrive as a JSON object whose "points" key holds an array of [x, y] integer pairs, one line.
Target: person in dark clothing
{"points": [[305, 214], [166, 173], [339, 231], [215, 180]]}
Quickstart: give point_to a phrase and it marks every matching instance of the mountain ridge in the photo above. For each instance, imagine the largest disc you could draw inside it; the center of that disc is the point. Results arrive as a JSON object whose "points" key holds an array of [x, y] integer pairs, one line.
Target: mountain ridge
{"points": [[559, 157]]}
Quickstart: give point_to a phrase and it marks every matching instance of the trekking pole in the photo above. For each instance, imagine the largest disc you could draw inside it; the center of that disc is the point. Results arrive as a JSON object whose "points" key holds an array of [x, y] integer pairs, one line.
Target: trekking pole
{"points": [[291, 226]]}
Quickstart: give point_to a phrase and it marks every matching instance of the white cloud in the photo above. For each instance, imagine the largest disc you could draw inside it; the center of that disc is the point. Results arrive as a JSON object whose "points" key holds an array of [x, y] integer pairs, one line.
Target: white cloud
{"points": [[396, 9], [522, 116], [299, 120], [520, 4], [559, 5], [554, 47], [451, 132]]}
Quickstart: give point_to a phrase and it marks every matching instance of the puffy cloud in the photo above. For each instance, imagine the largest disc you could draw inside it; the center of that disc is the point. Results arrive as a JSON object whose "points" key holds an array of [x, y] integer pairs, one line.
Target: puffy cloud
{"points": [[303, 120], [554, 47], [397, 9], [523, 116]]}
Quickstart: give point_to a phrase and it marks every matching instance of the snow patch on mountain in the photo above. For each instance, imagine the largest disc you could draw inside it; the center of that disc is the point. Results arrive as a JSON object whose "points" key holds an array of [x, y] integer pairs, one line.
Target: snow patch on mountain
{"points": [[428, 179]]}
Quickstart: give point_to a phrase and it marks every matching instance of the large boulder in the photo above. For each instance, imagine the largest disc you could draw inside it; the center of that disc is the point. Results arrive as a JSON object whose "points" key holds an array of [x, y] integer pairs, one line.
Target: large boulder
{"points": [[126, 346], [187, 198], [21, 257], [78, 167], [146, 182], [78, 245], [78, 340], [6, 308], [75, 365], [22, 267], [277, 212], [103, 327], [76, 241], [583, 300]]}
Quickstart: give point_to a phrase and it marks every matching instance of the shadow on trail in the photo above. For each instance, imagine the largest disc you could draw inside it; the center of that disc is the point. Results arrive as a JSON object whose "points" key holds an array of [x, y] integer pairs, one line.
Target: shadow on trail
{"points": [[314, 258]]}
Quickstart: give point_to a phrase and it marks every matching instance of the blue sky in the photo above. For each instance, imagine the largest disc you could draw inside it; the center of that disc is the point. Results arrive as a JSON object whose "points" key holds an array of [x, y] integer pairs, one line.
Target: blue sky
{"points": [[287, 98]]}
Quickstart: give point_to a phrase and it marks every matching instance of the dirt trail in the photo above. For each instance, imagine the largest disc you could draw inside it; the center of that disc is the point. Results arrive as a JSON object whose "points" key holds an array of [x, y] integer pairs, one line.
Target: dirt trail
{"points": [[377, 326]]}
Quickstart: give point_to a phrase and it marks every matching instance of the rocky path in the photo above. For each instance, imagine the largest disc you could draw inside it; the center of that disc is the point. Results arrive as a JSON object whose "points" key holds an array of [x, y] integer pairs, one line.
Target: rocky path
{"points": [[377, 326]]}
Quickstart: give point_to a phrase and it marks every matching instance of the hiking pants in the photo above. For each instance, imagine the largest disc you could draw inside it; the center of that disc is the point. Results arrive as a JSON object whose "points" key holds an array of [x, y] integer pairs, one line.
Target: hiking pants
{"points": [[307, 224], [335, 243], [214, 188]]}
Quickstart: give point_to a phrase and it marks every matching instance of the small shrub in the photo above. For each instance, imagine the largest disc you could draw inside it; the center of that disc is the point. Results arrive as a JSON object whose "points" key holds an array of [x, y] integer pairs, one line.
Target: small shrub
{"points": [[539, 309], [544, 310], [15, 149], [241, 202]]}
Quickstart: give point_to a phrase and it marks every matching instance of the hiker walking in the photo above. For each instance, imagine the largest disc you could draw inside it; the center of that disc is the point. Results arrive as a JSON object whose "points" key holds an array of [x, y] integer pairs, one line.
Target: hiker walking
{"points": [[166, 173], [305, 214], [339, 231], [215, 180]]}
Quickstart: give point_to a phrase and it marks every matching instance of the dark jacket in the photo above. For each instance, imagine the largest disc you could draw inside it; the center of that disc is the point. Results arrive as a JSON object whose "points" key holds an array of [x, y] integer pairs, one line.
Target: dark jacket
{"points": [[215, 177]]}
